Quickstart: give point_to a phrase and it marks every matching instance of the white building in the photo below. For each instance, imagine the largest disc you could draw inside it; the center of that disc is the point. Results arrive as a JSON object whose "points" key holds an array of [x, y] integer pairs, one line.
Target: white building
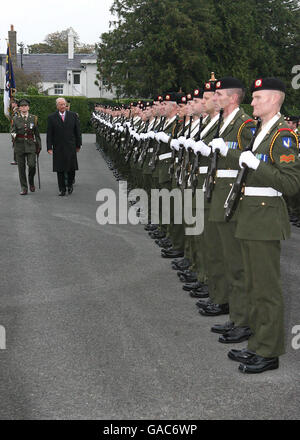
{"points": [[68, 74]]}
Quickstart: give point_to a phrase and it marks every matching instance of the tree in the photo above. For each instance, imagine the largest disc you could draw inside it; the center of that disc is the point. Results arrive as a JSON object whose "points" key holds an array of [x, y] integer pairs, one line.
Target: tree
{"points": [[26, 82], [157, 45], [57, 42]]}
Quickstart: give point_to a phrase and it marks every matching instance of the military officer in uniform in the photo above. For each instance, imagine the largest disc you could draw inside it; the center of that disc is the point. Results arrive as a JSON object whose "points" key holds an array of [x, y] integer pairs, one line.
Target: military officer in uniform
{"points": [[27, 144], [262, 221]]}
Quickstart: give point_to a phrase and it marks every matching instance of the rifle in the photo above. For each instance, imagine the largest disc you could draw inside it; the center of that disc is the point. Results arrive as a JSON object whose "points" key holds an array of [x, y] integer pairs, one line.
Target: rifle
{"points": [[234, 195], [143, 154], [180, 155], [154, 158], [188, 164], [137, 152], [211, 174], [175, 136], [193, 178]]}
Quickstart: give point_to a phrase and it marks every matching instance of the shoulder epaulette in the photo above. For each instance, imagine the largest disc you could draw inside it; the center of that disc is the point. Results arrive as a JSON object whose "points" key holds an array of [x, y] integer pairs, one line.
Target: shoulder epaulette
{"points": [[278, 132], [240, 132]]}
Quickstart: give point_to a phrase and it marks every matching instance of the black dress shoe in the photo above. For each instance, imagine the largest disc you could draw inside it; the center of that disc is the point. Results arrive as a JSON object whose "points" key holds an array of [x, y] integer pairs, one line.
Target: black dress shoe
{"points": [[187, 279], [193, 286], [222, 328], [171, 253], [164, 243], [215, 310], [203, 303], [150, 227], [62, 193], [181, 266], [235, 335], [240, 355], [70, 189], [32, 188], [23, 192], [157, 234], [200, 292], [259, 364]]}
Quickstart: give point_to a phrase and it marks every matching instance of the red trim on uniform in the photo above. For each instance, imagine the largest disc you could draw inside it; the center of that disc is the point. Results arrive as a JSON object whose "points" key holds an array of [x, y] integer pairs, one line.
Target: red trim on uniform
{"points": [[286, 129]]}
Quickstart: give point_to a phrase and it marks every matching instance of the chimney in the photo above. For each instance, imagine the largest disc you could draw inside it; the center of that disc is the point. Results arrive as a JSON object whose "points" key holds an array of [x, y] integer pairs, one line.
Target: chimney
{"points": [[12, 38], [71, 36]]}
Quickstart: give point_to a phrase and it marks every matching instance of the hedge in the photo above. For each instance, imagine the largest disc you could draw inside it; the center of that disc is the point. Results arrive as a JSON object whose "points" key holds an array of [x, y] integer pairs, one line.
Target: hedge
{"points": [[42, 106]]}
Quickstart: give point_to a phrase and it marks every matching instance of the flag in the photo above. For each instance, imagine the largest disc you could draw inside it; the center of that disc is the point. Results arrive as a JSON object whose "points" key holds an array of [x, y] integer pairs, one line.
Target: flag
{"points": [[10, 85]]}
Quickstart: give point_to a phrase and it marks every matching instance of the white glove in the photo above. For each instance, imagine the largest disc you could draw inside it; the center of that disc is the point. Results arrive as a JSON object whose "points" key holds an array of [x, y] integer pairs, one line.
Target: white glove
{"points": [[13, 135], [136, 136], [175, 144], [219, 144], [189, 143], [181, 140], [127, 124], [248, 158], [121, 129], [151, 134], [202, 148], [164, 137]]}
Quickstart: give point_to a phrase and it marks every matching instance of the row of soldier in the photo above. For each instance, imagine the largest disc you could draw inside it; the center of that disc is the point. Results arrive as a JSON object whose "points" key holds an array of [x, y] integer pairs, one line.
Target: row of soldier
{"points": [[245, 166]]}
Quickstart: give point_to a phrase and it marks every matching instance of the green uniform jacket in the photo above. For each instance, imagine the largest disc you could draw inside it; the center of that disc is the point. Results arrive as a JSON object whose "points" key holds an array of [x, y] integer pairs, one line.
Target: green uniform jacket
{"points": [[237, 135], [27, 134], [164, 165], [266, 218]]}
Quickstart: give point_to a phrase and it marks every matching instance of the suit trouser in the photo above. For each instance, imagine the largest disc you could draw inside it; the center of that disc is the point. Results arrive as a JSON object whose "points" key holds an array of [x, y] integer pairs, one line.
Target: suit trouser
{"points": [[61, 179], [266, 310], [226, 250], [31, 162]]}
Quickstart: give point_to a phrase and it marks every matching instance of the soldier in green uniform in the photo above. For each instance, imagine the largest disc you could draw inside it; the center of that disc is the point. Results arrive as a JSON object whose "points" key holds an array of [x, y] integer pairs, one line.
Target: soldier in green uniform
{"points": [[262, 221], [27, 144], [227, 283]]}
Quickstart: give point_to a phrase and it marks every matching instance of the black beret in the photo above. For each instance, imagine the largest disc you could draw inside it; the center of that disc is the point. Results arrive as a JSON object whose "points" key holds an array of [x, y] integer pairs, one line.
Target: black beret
{"points": [[292, 118], [210, 86], [24, 101], [228, 82], [198, 93], [170, 96], [267, 84]]}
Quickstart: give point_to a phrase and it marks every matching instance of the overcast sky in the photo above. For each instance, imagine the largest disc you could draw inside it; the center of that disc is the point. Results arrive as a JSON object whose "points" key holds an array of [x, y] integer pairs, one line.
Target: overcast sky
{"points": [[34, 19]]}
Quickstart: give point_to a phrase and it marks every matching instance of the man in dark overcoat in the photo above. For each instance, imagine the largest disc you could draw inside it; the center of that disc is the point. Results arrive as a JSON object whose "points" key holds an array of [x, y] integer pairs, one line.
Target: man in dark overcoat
{"points": [[64, 142]]}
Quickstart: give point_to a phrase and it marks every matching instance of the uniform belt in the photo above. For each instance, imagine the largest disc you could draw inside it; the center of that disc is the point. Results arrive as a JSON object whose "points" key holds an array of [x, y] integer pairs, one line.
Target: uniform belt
{"points": [[165, 156], [227, 173], [203, 170], [25, 136], [261, 191]]}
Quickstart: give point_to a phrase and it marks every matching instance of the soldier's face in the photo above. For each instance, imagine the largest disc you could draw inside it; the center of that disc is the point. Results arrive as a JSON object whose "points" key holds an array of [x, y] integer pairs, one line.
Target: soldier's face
{"points": [[24, 108], [292, 124], [209, 105], [222, 99], [198, 106], [262, 102]]}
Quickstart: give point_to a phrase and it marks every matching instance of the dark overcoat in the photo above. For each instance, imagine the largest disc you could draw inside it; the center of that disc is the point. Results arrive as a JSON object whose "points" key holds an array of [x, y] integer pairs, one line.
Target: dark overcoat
{"points": [[63, 137]]}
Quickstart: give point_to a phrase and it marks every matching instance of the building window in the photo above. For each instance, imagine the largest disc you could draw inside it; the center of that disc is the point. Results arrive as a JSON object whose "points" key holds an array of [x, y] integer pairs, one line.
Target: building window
{"points": [[58, 89], [76, 78]]}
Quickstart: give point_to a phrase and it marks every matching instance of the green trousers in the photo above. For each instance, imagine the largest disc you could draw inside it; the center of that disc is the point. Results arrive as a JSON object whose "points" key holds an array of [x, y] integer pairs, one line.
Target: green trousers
{"points": [[261, 260], [31, 162], [226, 271]]}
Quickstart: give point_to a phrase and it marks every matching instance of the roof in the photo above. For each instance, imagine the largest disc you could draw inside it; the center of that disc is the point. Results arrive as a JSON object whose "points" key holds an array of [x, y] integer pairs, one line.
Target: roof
{"points": [[52, 67]]}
